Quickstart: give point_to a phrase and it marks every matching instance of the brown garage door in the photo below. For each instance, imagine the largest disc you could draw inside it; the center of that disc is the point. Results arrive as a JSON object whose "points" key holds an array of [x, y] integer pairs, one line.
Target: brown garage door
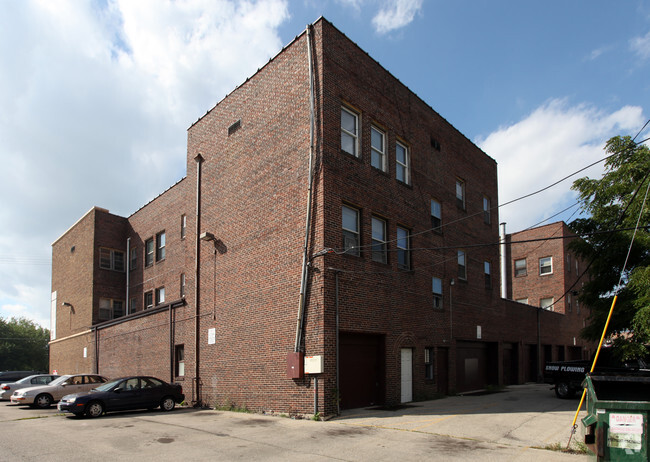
{"points": [[362, 376], [475, 365]]}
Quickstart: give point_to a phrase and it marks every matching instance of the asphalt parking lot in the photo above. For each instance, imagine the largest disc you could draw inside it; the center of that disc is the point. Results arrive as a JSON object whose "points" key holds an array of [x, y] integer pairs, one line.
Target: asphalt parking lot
{"points": [[514, 425]]}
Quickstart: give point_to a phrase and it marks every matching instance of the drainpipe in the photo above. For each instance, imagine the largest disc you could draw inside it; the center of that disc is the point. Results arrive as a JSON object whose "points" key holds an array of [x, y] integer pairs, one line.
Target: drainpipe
{"points": [[128, 272], [503, 260], [305, 260], [197, 284]]}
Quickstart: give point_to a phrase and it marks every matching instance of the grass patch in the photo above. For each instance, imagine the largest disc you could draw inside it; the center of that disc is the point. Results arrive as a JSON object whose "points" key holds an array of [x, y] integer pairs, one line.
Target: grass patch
{"points": [[576, 448]]}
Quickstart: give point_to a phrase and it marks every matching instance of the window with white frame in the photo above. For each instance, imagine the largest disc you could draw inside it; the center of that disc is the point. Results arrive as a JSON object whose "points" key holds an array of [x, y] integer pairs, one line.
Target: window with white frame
{"points": [[428, 363], [546, 303], [402, 163], [487, 270], [520, 267], [378, 149], [349, 132], [436, 216], [160, 246], [182, 289], [148, 300], [403, 248], [436, 289], [462, 265], [487, 216], [379, 247], [545, 265], [183, 226], [160, 295], [148, 252], [111, 259], [460, 194], [179, 360], [350, 220]]}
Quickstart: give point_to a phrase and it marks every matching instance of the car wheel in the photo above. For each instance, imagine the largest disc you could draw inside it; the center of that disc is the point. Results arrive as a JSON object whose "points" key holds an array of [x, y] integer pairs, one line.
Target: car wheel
{"points": [[564, 391], [167, 403], [94, 409], [43, 401]]}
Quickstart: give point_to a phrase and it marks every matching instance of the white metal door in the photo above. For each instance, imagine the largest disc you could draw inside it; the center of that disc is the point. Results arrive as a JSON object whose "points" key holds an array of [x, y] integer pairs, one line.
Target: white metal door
{"points": [[407, 375]]}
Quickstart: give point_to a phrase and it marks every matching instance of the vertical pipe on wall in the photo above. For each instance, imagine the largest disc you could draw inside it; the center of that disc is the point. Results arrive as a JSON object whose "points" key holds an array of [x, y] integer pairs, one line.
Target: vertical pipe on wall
{"points": [[503, 260], [197, 285], [305, 260], [128, 272]]}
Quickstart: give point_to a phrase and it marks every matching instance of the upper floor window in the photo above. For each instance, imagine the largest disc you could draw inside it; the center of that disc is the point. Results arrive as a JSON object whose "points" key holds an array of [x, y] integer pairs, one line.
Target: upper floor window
{"points": [[183, 226], [182, 289], [520, 267], [148, 252], [379, 250], [487, 218], [487, 270], [111, 259], [546, 303], [133, 260], [350, 218], [568, 302], [160, 246], [436, 215], [402, 167], [522, 300], [110, 309], [568, 263], [378, 148], [545, 265], [403, 248], [436, 289], [148, 300], [349, 132], [462, 265], [460, 194], [160, 295], [133, 305]]}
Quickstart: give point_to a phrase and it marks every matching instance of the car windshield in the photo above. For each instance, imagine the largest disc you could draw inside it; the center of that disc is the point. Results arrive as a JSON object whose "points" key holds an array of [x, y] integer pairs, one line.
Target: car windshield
{"points": [[60, 380], [108, 385]]}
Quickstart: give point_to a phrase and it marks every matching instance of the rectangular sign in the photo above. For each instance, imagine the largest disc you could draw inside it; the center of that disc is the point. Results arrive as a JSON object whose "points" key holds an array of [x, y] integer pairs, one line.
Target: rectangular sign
{"points": [[625, 431]]}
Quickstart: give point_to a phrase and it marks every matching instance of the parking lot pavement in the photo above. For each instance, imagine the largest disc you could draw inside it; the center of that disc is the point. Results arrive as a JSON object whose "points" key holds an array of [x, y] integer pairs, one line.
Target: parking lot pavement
{"points": [[508, 426]]}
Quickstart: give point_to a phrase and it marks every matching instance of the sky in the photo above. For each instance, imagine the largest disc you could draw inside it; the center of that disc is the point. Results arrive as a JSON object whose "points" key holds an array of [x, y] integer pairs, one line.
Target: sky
{"points": [[96, 97]]}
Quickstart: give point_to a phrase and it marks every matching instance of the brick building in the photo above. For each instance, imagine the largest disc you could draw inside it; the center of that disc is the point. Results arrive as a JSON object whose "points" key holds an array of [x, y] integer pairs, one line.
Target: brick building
{"points": [[327, 212], [543, 272]]}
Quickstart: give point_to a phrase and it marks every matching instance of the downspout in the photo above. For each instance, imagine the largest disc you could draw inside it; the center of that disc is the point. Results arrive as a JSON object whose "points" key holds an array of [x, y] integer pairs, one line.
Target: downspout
{"points": [[197, 285], [128, 272], [305, 260], [503, 260]]}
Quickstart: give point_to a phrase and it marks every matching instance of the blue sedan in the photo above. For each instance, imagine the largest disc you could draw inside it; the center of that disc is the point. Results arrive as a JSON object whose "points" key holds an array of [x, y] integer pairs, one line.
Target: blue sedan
{"points": [[124, 394]]}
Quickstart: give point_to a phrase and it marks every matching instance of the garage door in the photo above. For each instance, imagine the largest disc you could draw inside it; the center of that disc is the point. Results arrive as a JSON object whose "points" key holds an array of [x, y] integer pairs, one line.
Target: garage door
{"points": [[362, 377], [475, 365]]}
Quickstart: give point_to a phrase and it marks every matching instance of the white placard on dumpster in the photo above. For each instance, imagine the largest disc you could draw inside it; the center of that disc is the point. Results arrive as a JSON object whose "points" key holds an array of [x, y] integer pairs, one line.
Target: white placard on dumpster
{"points": [[625, 431]]}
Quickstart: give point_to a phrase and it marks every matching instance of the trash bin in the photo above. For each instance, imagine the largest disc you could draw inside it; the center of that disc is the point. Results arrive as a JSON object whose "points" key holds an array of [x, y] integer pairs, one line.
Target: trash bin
{"points": [[616, 426]]}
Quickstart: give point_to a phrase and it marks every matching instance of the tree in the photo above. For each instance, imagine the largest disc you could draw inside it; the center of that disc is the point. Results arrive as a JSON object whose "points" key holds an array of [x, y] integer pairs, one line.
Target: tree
{"points": [[23, 345], [616, 202]]}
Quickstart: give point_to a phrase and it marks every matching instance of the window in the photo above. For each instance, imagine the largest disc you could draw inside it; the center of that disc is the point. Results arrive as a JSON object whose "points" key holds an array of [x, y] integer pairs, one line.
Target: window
{"points": [[436, 216], [568, 302], [133, 261], [403, 248], [545, 265], [110, 309], [378, 149], [546, 303], [349, 132], [148, 252], [520, 267], [568, 263], [522, 300], [148, 300], [160, 295], [577, 306], [402, 166], [160, 246], [462, 266], [487, 219], [183, 226], [133, 305], [350, 230], [111, 259], [179, 360], [379, 252], [436, 288], [182, 291], [460, 194], [428, 363], [488, 274]]}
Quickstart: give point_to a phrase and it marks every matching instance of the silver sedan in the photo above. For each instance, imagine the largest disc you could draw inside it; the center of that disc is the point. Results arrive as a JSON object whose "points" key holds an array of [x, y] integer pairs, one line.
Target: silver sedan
{"points": [[7, 389]]}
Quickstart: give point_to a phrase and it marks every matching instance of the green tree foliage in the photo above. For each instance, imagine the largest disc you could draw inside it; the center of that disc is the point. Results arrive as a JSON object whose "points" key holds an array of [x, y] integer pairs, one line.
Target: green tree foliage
{"points": [[615, 201], [23, 346]]}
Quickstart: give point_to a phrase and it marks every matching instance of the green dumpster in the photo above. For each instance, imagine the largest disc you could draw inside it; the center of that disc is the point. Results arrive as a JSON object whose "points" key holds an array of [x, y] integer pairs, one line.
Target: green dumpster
{"points": [[616, 426]]}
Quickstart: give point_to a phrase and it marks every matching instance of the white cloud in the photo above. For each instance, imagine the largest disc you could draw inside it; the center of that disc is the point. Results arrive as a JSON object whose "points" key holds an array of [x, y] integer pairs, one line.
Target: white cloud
{"points": [[552, 142], [96, 98], [641, 46], [395, 14]]}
